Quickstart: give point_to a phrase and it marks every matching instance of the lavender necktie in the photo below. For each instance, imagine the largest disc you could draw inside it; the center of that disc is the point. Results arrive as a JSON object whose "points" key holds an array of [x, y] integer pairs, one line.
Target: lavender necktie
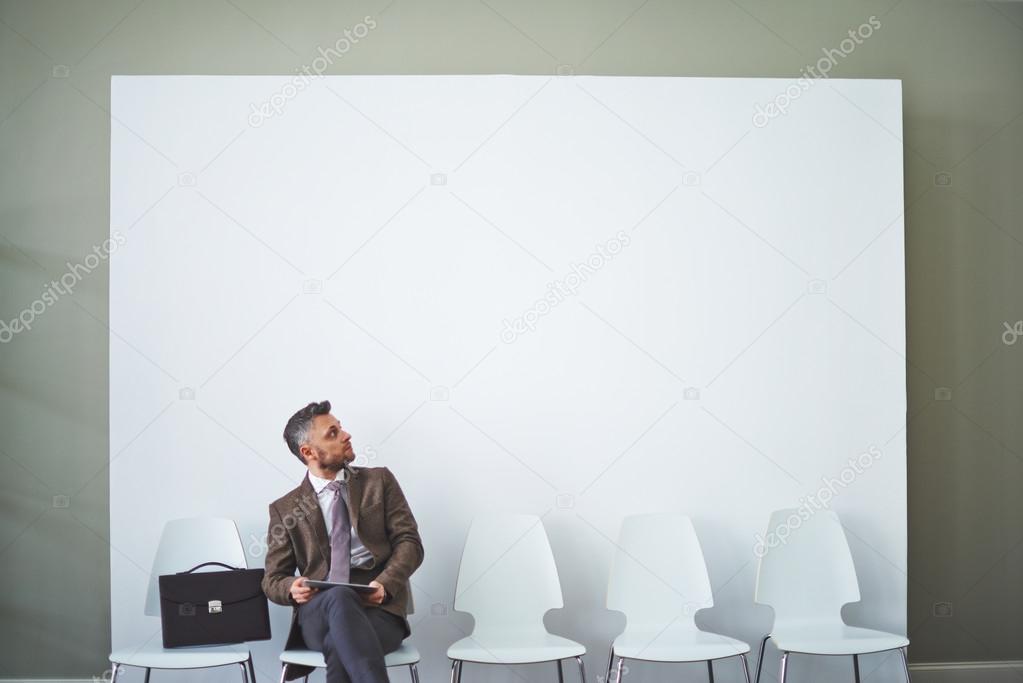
{"points": [[340, 537]]}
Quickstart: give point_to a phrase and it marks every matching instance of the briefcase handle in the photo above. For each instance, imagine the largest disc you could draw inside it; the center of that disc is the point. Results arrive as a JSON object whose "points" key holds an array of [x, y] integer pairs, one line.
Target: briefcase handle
{"points": [[207, 564]]}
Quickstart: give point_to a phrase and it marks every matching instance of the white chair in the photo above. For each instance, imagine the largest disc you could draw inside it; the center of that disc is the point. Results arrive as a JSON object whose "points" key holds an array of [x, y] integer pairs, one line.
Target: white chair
{"points": [[507, 581], [405, 655], [184, 544], [806, 575], [659, 580]]}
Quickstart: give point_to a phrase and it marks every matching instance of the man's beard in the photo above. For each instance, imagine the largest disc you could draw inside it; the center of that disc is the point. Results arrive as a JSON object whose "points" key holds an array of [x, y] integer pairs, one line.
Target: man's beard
{"points": [[332, 466]]}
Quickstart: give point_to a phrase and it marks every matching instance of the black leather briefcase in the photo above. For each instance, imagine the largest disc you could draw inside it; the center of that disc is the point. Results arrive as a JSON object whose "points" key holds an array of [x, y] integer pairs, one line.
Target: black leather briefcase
{"points": [[213, 608]]}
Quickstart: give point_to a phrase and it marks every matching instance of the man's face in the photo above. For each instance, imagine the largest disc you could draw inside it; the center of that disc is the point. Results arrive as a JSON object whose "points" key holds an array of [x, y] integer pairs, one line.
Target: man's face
{"points": [[329, 445]]}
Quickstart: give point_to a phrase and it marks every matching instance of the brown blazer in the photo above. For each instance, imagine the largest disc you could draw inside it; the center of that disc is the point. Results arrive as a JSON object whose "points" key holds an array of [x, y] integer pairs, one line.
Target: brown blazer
{"points": [[297, 539]]}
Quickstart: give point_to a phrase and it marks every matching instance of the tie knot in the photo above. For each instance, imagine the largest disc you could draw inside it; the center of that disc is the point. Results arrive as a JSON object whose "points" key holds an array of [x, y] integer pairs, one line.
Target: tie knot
{"points": [[335, 487]]}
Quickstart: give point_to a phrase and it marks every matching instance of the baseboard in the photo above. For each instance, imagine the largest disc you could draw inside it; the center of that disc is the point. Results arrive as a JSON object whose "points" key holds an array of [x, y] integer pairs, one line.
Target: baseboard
{"points": [[93, 679], [1007, 671]]}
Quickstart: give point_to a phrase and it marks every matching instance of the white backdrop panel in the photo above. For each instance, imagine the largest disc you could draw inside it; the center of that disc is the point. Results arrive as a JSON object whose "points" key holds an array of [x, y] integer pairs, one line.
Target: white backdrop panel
{"points": [[373, 239]]}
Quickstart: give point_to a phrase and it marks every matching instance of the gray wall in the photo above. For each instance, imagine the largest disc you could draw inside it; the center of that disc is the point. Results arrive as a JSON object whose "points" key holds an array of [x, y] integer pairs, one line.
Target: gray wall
{"points": [[962, 68]]}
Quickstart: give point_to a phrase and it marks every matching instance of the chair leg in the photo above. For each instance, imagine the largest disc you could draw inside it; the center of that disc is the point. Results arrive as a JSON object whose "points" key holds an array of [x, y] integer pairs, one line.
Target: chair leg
{"points": [[745, 667], [146, 680], [710, 670], [252, 670], [760, 657], [284, 672], [561, 673], [618, 674], [456, 671], [905, 664], [114, 668], [582, 669], [856, 667], [610, 662], [784, 660], [413, 673], [245, 672]]}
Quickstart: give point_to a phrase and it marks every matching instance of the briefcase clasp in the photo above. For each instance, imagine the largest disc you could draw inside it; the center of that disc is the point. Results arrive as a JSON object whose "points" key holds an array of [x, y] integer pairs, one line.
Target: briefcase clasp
{"points": [[216, 607]]}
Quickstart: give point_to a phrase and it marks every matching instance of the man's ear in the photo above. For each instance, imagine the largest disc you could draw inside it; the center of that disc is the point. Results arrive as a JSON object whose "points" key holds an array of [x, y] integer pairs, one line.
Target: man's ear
{"points": [[306, 452]]}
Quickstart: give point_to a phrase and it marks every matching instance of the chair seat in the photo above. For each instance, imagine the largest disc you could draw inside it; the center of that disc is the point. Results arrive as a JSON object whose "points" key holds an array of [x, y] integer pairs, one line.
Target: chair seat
{"points": [[834, 639], [690, 645], [155, 656], [406, 655], [515, 648]]}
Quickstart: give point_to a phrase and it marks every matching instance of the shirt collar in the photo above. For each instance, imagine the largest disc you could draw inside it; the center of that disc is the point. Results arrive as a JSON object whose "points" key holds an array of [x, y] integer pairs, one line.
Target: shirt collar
{"points": [[319, 483]]}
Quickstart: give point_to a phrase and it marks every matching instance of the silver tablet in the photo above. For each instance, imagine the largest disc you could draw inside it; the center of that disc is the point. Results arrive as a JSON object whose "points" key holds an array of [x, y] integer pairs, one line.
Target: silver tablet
{"points": [[361, 587]]}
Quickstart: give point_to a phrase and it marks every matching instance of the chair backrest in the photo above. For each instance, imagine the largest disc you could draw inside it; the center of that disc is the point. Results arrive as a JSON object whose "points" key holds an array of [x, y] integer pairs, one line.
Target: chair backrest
{"points": [[806, 568], [186, 543], [507, 578], [658, 573]]}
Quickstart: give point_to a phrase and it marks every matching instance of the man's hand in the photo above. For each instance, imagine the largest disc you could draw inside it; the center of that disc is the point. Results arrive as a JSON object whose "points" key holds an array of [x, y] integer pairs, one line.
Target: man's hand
{"points": [[300, 592], [377, 597]]}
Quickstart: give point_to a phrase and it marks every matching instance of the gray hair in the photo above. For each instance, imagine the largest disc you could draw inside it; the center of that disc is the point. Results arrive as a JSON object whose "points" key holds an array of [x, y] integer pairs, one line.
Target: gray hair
{"points": [[296, 432]]}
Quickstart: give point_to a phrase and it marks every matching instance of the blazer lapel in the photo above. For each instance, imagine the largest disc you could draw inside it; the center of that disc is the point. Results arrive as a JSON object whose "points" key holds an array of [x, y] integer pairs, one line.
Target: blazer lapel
{"points": [[354, 497], [315, 518]]}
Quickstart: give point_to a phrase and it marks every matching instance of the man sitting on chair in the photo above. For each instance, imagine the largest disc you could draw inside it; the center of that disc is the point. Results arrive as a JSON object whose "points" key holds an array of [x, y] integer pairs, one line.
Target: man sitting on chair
{"points": [[342, 524]]}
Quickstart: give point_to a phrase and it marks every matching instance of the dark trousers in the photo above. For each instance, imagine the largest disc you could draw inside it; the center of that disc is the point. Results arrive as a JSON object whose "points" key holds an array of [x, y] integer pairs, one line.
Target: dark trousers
{"points": [[353, 637]]}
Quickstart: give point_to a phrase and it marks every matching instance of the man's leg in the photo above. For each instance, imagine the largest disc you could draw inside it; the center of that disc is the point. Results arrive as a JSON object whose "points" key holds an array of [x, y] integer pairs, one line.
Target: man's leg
{"points": [[335, 669], [336, 623], [390, 629]]}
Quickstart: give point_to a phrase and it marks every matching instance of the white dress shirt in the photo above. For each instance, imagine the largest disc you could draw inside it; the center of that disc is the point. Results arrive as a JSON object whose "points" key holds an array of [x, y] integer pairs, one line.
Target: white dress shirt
{"points": [[361, 557]]}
